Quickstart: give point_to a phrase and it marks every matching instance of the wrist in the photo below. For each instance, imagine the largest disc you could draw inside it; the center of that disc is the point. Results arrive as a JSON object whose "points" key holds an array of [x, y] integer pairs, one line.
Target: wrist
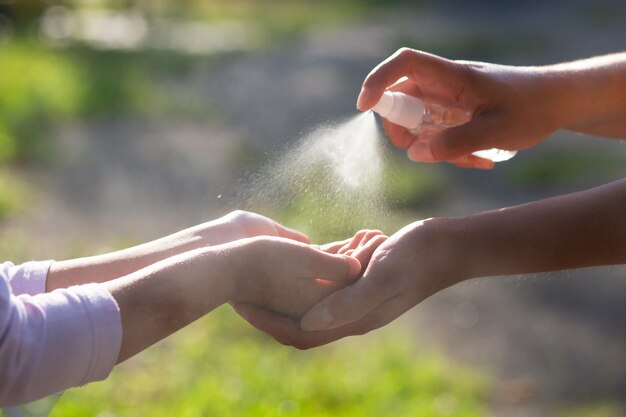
{"points": [[555, 95], [444, 246], [200, 276], [580, 94], [463, 241], [233, 260]]}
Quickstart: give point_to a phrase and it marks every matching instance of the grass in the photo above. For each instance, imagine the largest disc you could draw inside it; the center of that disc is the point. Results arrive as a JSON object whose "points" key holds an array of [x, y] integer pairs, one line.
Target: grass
{"points": [[220, 367], [37, 87], [14, 196], [43, 87]]}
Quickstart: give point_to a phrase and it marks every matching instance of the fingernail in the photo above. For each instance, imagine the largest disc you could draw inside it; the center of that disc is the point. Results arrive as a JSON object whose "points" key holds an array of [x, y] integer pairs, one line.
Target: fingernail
{"points": [[354, 265], [420, 152], [317, 319], [364, 97]]}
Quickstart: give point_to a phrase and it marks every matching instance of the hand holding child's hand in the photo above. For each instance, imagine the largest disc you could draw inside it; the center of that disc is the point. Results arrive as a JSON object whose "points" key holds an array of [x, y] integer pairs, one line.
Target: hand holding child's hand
{"points": [[289, 278]]}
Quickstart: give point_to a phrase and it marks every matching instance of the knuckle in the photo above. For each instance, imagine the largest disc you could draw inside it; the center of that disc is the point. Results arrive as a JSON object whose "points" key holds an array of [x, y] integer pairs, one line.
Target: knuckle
{"points": [[238, 213], [373, 233], [405, 52]]}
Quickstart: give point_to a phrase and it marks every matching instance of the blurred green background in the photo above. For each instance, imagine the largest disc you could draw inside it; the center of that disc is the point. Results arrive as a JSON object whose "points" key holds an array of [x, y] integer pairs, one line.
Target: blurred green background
{"points": [[122, 121]]}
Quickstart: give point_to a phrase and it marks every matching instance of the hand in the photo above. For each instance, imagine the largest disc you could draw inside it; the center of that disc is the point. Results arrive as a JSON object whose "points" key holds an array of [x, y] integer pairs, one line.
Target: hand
{"points": [[512, 108], [295, 297], [236, 225], [407, 268], [361, 246]]}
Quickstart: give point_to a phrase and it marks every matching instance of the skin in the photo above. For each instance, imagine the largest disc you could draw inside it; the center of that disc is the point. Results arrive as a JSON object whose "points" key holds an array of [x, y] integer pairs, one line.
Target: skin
{"points": [[430, 255], [513, 108], [162, 286], [101, 268]]}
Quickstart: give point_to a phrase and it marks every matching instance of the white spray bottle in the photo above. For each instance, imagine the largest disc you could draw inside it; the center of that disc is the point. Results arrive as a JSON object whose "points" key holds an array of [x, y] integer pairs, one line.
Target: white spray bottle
{"points": [[420, 118]]}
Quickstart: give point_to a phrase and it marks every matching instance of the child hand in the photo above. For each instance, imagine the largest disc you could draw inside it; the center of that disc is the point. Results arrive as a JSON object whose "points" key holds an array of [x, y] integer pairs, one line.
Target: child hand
{"points": [[288, 293], [286, 276], [248, 224]]}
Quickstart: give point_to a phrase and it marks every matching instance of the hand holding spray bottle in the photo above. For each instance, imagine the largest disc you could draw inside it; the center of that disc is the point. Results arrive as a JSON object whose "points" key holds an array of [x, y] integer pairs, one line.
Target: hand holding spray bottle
{"points": [[425, 118]]}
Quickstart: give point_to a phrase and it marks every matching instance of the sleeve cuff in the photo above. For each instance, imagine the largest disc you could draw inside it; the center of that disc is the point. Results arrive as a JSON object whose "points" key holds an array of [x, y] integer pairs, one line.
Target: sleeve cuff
{"points": [[29, 278], [104, 314]]}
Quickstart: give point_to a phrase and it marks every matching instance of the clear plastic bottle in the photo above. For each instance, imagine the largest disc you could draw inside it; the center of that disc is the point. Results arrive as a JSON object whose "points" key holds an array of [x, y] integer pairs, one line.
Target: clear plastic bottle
{"points": [[424, 118]]}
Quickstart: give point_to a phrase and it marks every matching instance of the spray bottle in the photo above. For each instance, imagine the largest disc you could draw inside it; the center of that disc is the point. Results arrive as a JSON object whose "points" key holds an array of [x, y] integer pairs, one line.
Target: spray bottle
{"points": [[426, 118]]}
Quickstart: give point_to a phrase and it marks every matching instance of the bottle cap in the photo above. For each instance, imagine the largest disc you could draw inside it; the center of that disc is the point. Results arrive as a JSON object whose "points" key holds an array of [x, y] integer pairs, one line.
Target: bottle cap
{"points": [[401, 109]]}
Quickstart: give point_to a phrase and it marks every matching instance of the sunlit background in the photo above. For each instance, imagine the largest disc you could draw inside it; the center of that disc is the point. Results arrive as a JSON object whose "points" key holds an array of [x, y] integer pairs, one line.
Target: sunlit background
{"points": [[122, 121]]}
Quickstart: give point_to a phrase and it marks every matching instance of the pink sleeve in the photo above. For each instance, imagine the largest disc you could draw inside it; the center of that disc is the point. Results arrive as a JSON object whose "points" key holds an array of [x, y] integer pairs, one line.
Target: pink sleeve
{"points": [[27, 278], [53, 341]]}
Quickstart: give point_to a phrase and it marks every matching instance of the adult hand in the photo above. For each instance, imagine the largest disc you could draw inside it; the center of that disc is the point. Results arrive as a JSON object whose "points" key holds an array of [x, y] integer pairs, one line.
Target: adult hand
{"points": [[411, 265], [511, 108]]}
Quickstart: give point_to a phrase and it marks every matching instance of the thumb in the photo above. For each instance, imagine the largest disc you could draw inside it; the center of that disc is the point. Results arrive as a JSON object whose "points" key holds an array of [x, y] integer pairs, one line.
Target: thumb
{"points": [[456, 142], [345, 306]]}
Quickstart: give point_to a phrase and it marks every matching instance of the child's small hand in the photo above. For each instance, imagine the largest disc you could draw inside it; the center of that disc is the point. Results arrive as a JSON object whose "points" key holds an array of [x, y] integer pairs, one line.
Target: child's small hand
{"points": [[236, 225], [248, 224], [285, 276], [288, 277]]}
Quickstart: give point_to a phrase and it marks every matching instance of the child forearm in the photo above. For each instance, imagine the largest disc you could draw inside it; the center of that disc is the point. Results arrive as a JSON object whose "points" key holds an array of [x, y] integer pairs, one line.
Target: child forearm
{"points": [[163, 298], [109, 266]]}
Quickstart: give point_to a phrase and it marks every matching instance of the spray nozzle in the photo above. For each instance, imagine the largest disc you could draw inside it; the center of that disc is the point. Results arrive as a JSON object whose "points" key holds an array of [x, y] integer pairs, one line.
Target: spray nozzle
{"points": [[419, 118], [401, 109]]}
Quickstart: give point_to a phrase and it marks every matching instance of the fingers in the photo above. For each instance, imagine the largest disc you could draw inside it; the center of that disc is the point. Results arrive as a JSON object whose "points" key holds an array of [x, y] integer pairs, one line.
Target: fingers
{"points": [[415, 65], [347, 305], [334, 247], [399, 135], [473, 161], [281, 328], [420, 151], [287, 330], [314, 263], [460, 141], [364, 252], [354, 242], [360, 238], [292, 234]]}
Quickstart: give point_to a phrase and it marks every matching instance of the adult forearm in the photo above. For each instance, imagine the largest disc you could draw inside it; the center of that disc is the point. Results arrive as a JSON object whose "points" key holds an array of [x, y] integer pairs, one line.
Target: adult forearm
{"points": [[163, 298], [577, 230], [592, 94]]}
